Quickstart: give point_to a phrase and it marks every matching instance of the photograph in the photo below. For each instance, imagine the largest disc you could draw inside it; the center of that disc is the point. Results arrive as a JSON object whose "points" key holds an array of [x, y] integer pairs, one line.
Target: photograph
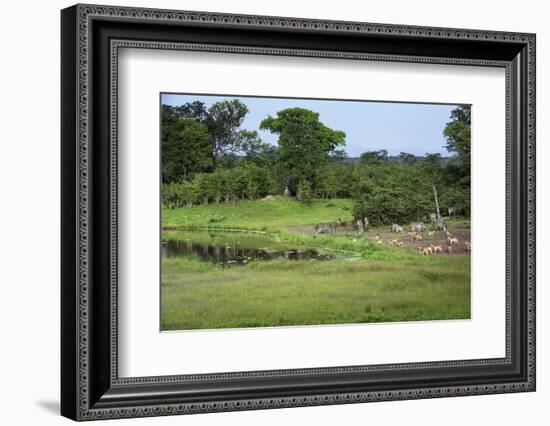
{"points": [[267, 209], [279, 211]]}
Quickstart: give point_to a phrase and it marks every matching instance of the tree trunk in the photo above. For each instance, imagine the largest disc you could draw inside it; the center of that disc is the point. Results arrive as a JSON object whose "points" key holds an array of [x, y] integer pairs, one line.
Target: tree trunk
{"points": [[436, 204]]}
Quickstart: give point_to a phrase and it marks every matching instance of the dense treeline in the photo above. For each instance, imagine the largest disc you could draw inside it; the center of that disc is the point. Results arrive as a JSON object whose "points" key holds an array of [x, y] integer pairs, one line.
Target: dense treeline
{"points": [[389, 191], [208, 158]]}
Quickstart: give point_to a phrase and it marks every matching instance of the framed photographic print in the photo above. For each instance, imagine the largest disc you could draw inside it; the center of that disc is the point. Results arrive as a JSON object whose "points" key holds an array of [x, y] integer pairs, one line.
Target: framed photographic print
{"points": [[263, 212]]}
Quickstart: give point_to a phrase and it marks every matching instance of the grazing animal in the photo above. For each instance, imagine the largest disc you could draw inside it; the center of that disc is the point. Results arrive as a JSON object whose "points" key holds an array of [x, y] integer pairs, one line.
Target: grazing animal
{"points": [[427, 251], [325, 228], [400, 243], [418, 226], [436, 249], [417, 237], [377, 237], [452, 241], [451, 211], [361, 224], [397, 228], [433, 217], [379, 242], [439, 225]]}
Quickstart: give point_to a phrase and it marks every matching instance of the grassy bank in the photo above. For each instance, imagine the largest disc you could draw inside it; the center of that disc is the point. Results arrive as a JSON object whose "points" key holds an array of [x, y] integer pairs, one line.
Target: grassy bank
{"points": [[197, 295], [272, 215]]}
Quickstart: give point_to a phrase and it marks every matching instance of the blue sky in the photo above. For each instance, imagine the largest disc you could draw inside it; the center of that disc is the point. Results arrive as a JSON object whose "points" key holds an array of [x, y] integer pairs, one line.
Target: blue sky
{"points": [[369, 126]]}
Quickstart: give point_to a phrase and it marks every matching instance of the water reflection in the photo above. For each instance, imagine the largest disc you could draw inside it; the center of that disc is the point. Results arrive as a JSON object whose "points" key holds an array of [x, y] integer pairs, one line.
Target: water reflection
{"points": [[228, 252]]}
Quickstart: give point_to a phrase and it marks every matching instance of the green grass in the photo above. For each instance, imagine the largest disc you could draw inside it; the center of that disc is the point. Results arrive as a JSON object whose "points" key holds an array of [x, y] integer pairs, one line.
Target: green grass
{"points": [[272, 215], [198, 295], [379, 283]]}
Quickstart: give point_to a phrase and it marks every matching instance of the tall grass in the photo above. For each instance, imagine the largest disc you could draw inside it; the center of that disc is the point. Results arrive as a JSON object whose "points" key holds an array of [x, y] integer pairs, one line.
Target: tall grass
{"points": [[280, 293]]}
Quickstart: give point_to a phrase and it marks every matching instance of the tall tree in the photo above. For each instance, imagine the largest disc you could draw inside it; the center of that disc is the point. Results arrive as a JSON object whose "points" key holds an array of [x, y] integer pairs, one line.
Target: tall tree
{"points": [[374, 157], [462, 113], [186, 150], [304, 144], [196, 110], [223, 122], [408, 158], [458, 132], [250, 145]]}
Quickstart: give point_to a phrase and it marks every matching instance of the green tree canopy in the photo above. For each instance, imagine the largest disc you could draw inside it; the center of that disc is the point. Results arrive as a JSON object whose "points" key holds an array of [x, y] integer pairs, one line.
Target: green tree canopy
{"points": [[196, 110], [186, 150], [391, 192], [223, 122], [304, 144], [458, 132], [374, 157], [207, 157], [408, 158], [462, 113], [458, 136]]}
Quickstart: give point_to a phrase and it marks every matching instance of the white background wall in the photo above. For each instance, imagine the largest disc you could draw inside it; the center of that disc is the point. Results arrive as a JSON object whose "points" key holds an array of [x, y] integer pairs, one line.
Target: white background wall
{"points": [[29, 213]]}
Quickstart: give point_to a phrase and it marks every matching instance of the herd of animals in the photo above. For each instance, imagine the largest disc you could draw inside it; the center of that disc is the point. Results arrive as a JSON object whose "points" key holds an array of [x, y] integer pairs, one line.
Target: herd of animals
{"points": [[450, 244]]}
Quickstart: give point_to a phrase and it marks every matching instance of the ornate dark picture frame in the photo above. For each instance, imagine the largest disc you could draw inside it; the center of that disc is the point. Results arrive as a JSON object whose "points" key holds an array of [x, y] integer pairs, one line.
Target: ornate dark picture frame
{"points": [[91, 37]]}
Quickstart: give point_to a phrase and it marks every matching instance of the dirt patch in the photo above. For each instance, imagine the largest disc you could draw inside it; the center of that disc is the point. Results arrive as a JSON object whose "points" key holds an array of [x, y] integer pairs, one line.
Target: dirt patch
{"points": [[406, 240]]}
